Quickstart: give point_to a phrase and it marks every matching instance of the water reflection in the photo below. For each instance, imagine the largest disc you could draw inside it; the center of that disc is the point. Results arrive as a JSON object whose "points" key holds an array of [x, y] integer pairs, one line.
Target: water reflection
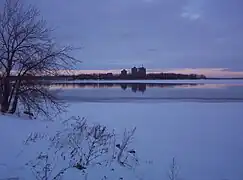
{"points": [[134, 87], [155, 92]]}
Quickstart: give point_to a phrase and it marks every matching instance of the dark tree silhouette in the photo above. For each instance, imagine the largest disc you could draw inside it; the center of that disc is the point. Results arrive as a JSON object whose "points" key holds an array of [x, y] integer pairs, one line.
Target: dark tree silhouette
{"points": [[27, 49]]}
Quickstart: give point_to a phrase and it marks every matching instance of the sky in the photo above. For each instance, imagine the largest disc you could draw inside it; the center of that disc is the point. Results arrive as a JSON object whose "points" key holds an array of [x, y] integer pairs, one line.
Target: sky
{"points": [[158, 34]]}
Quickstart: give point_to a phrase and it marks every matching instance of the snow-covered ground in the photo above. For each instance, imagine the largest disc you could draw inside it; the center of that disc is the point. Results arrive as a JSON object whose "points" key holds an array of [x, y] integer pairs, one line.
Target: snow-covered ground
{"points": [[205, 138], [13, 132]]}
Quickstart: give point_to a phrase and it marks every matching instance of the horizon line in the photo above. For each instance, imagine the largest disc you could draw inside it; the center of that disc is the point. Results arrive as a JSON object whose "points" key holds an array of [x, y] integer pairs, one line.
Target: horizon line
{"points": [[208, 72]]}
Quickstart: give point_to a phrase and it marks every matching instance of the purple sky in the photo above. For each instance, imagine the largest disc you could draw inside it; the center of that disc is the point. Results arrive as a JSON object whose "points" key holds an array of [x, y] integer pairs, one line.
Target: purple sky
{"points": [[159, 34]]}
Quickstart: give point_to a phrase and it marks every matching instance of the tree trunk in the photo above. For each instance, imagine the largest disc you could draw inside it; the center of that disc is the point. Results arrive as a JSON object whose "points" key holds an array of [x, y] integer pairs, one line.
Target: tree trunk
{"points": [[14, 104], [15, 95], [4, 106], [6, 93]]}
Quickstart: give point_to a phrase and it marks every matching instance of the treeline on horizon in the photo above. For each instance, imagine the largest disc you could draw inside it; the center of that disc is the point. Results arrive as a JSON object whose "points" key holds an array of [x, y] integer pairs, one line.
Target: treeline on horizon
{"points": [[111, 76], [149, 76]]}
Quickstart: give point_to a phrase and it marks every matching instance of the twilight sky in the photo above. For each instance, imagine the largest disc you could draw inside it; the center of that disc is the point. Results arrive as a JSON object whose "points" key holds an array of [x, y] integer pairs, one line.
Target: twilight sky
{"points": [[159, 34]]}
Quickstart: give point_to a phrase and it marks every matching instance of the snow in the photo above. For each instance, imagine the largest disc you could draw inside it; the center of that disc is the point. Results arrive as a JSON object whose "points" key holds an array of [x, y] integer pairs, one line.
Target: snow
{"points": [[14, 154], [205, 138]]}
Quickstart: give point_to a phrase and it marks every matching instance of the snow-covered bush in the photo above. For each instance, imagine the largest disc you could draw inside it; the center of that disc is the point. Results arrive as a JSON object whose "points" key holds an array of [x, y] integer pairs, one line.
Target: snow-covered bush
{"points": [[81, 147]]}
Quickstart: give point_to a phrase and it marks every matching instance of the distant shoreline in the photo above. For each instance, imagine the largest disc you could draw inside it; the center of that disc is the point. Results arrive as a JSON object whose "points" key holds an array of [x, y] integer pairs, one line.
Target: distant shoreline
{"points": [[225, 78], [75, 79], [149, 82]]}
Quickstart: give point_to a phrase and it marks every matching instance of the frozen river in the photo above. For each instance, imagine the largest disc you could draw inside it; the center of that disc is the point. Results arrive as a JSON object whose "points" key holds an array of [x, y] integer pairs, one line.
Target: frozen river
{"points": [[152, 91], [199, 123]]}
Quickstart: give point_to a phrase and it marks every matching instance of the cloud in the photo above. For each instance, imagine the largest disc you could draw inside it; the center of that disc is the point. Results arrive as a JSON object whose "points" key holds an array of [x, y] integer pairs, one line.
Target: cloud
{"points": [[191, 16], [156, 33], [148, 1], [193, 10]]}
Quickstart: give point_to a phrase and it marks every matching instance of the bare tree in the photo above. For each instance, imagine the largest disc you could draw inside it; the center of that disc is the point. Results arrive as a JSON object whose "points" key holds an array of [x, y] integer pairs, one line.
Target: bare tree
{"points": [[28, 49]]}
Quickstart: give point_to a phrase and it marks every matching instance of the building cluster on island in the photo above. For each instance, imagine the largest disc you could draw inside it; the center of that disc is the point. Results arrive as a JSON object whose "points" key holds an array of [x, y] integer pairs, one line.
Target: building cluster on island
{"points": [[138, 73], [134, 74]]}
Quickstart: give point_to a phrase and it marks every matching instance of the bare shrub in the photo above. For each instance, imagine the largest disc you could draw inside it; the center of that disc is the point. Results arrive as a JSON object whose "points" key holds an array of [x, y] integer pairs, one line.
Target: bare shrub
{"points": [[174, 170], [81, 146]]}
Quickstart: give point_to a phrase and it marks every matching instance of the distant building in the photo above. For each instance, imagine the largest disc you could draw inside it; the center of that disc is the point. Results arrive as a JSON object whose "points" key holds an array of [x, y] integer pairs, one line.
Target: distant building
{"points": [[141, 72], [138, 72], [124, 72], [134, 71]]}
